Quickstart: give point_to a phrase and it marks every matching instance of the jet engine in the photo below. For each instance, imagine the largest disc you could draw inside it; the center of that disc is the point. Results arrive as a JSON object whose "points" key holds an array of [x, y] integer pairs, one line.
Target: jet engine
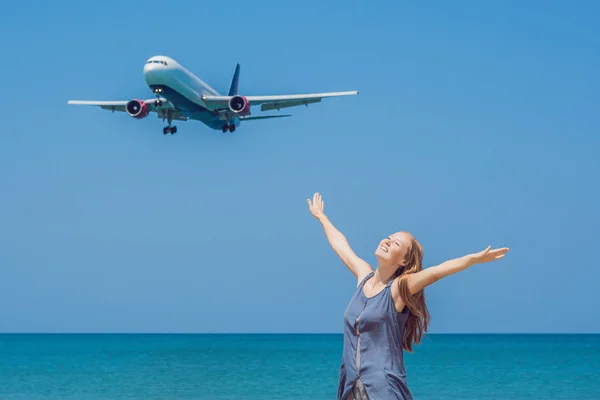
{"points": [[137, 109], [239, 105]]}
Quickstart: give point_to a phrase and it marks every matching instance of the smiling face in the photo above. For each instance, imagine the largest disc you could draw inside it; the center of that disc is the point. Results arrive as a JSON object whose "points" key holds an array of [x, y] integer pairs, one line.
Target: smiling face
{"points": [[392, 250]]}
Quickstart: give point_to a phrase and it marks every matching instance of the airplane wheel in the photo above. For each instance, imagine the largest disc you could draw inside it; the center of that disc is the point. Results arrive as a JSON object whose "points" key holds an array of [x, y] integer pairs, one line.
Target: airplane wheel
{"points": [[224, 129], [173, 129], [231, 128], [165, 130]]}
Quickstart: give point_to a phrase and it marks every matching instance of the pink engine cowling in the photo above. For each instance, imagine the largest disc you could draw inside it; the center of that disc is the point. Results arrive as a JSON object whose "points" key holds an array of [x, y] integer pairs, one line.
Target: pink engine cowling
{"points": [[239, 105], [137, 109]]}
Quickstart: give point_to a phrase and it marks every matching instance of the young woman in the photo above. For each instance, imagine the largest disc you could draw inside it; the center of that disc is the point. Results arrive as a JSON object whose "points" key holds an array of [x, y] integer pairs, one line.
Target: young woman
{"points": [[387, 312]]}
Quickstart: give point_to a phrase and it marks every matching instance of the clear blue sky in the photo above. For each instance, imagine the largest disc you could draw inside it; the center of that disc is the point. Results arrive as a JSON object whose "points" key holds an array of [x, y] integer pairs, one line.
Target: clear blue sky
{"points": [[476, 124]]}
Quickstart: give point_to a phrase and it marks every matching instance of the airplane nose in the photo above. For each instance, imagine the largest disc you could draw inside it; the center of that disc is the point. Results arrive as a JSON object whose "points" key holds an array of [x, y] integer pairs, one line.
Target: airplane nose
{"points": [[152, 69], [154, 73], [149, 67]]}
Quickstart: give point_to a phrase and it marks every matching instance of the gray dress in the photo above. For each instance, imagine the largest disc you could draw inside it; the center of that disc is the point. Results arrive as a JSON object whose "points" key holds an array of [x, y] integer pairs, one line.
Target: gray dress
{"points": [[372, 360]]}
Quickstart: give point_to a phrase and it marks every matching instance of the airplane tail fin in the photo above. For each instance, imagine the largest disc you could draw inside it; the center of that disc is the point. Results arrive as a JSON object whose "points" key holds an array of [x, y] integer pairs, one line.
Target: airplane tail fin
{"points": [[233, 88]]}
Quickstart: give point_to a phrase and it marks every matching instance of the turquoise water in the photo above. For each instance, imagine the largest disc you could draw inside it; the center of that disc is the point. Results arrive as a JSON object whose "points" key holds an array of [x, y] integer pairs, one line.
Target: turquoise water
{"points": [[252, 367]]}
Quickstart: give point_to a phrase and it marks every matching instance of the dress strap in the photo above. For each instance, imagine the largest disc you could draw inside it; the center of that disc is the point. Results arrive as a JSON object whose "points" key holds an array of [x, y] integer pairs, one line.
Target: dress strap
{"points": [[390, 282], [370, 274]]}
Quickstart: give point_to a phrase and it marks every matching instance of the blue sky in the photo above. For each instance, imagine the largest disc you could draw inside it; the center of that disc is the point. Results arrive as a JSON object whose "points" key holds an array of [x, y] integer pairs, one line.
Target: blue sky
{"points": [[476, 124]]}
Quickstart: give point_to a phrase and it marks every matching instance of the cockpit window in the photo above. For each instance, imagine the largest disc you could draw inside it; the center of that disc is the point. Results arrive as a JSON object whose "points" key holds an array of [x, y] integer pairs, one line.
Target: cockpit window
{"points": [[156, 62]]}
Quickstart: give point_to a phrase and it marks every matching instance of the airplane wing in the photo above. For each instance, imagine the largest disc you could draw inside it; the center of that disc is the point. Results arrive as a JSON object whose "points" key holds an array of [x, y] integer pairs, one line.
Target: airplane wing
{"points": [[107, 105], [275, 102], [120, 105]]}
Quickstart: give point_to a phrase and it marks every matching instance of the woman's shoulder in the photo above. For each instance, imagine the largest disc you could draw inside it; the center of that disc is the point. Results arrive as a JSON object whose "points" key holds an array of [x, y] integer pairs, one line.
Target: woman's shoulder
{"points": [[363, 276]]}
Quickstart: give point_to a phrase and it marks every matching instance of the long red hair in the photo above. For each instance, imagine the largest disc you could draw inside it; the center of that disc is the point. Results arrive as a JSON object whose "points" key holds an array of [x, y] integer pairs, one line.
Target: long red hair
{"points": [[418, 316]]}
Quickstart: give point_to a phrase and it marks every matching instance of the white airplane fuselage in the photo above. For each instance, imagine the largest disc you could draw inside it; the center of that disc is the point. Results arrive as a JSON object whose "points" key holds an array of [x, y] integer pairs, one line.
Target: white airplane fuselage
{"points": [[168, 79]]}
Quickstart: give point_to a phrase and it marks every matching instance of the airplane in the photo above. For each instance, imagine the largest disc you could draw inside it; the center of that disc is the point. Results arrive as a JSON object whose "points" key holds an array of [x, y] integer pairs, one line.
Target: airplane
{"points": [[181, 96]]}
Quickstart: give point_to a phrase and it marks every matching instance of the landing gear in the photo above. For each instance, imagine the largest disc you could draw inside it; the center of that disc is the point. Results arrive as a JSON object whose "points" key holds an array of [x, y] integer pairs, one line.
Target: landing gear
{"points": [[230, 127], [169, 129], [158, 102]]}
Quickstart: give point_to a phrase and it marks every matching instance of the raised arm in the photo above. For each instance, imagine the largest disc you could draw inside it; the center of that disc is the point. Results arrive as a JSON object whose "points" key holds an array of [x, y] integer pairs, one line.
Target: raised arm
{"points": [[426, 277], [337, 240]]}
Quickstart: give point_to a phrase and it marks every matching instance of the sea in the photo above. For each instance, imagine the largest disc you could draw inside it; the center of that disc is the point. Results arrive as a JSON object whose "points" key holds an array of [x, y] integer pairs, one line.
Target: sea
{"points": [[287, 366]]}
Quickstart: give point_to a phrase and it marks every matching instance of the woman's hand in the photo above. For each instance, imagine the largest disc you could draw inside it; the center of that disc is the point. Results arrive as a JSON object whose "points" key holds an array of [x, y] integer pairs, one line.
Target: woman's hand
{"points": [[338, 241], [488, 255], [317, 206]]}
